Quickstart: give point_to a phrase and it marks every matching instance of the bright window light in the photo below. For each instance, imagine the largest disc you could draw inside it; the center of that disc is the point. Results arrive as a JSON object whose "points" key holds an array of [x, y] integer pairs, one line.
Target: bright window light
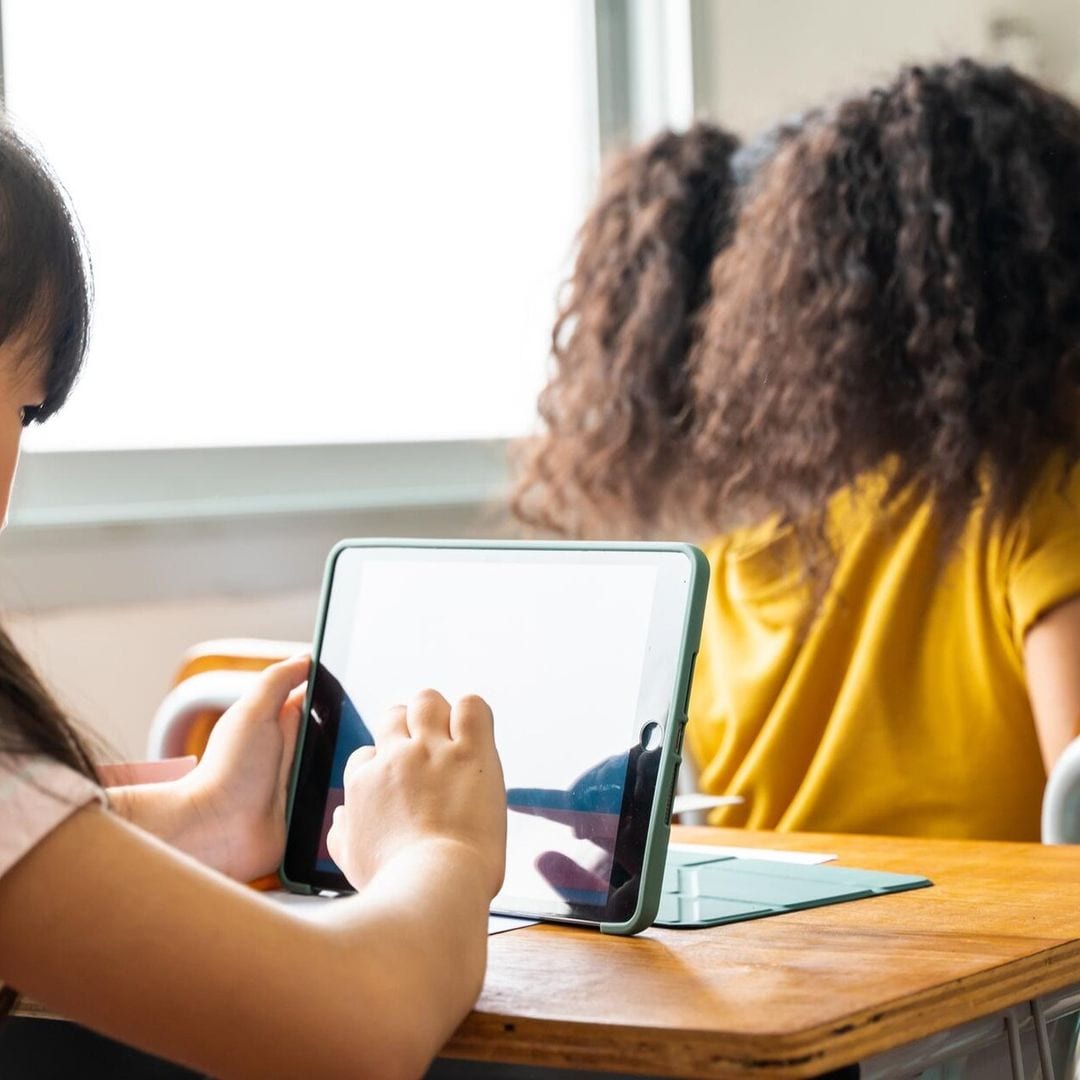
{"points": [[310, 223]]}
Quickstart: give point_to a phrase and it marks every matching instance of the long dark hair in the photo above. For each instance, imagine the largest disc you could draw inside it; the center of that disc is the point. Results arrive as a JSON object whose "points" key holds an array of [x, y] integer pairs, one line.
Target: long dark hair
{"points": [[901, 288], [45, 300]]}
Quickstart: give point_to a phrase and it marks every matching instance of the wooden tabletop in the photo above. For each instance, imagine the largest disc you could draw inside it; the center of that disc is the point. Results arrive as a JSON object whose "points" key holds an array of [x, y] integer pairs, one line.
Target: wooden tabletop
{"points": [[796, 994]]}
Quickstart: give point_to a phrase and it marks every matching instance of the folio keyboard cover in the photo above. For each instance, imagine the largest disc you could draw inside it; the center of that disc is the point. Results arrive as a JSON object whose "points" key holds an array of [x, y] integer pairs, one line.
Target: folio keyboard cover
{"points": [[704, 890]]}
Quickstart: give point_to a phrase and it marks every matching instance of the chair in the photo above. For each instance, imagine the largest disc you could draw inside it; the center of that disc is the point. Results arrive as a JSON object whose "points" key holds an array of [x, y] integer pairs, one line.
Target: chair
{"points": [[1061, 800], [211, 677]]}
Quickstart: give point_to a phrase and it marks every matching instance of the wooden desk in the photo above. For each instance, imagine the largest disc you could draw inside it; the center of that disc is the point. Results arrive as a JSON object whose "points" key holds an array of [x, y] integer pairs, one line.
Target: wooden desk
{"points": [[791, 995]]}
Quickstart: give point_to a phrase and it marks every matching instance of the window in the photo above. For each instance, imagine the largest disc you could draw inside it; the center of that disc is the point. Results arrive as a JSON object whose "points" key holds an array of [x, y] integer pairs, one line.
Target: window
{"points": [[325, 222]]}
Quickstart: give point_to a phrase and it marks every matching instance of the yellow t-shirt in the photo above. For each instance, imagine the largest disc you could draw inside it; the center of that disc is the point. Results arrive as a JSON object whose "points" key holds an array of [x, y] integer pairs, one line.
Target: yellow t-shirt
{"points": [[901, 707]]}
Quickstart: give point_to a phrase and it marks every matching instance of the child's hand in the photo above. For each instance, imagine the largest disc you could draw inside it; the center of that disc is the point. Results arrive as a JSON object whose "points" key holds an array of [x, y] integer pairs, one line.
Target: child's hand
{"points": [[238, 788], [433, 777]]}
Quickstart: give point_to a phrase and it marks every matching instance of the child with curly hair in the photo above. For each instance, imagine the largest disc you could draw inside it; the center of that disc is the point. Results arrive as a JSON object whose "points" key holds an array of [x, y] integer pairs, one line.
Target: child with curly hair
{"points": [[850, 353]]}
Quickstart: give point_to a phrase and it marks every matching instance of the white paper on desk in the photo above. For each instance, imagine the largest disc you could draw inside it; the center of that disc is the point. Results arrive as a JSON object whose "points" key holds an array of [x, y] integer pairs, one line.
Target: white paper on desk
{"points": [[308, 906], [807, 858], [498, 924], [690, 804]]}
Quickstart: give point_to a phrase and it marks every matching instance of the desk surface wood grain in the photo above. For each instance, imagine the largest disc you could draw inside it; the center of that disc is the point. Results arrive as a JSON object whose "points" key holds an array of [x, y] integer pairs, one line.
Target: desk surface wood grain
{"points": [[795, 994]]}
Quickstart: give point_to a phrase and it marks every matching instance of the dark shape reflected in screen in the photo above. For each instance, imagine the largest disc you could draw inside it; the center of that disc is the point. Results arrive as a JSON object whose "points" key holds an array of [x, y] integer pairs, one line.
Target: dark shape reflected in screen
{"points": [[346, 731], [592, 809]]}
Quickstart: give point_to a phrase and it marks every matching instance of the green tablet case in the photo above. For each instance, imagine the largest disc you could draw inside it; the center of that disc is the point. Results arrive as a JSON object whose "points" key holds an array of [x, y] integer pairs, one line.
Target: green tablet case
{"points": [[706, 890]]}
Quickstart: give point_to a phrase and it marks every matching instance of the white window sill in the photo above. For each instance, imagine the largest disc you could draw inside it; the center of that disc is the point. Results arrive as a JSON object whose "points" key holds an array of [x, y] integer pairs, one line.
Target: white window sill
{"points": [[111, 527], [109, 487]]}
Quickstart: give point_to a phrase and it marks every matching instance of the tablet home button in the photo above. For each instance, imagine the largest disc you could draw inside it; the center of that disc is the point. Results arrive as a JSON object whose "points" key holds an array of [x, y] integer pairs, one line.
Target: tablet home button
{"points": [[652, 735]]}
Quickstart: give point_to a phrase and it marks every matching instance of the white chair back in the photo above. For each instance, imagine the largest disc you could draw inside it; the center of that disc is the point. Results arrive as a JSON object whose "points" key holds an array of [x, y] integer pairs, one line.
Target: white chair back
{"points": [[196, 694], [1061, 800]]}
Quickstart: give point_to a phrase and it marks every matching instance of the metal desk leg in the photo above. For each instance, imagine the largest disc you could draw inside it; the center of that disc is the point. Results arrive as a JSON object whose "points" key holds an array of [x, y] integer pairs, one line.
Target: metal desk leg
{"points": [[1016, 1055], [1042, 1040]]}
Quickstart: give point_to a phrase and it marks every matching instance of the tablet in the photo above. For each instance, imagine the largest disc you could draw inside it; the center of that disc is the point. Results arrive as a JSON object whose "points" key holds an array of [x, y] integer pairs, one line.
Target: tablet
{"points": [[584, 653]]}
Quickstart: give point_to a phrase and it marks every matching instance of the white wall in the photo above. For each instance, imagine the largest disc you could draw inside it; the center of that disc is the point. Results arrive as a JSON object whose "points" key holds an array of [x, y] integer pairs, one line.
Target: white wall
{"points": [[758, 60], [112, 665]]}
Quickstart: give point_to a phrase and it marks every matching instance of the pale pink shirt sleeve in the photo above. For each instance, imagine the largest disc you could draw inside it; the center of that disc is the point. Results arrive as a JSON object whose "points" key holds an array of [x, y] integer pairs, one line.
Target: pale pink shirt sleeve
{"points": [[36, 795]]}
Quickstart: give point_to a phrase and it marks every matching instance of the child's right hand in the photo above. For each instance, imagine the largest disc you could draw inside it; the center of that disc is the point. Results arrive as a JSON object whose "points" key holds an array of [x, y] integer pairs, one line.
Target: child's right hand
{"points": [[432, 778]]}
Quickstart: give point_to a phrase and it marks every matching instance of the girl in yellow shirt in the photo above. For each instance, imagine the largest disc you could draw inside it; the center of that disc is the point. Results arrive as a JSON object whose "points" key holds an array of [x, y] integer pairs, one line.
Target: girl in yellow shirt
{"points": [[852, 349]]}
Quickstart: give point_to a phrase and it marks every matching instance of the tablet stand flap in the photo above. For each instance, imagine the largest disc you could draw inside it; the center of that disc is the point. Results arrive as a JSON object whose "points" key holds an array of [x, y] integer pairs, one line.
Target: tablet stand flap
{"points": [[699, 891]]}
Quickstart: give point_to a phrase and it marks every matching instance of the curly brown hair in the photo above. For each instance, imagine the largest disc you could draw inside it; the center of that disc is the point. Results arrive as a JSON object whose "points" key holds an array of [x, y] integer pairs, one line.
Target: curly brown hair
{"points": [[617, 408], [897, 281]]}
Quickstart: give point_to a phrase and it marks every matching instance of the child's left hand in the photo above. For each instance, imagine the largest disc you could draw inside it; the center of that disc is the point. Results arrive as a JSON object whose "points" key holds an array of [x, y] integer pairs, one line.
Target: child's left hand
{"points": [[237, 791]]}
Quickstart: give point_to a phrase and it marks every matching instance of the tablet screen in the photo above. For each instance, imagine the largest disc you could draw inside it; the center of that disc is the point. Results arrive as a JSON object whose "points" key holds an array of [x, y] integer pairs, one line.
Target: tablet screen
{"points": [[576, 651]]}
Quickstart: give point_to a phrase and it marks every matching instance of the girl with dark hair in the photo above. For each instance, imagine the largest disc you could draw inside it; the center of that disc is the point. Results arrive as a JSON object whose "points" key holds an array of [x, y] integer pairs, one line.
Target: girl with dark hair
{"points": [[108, 926], [850, 352]]}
